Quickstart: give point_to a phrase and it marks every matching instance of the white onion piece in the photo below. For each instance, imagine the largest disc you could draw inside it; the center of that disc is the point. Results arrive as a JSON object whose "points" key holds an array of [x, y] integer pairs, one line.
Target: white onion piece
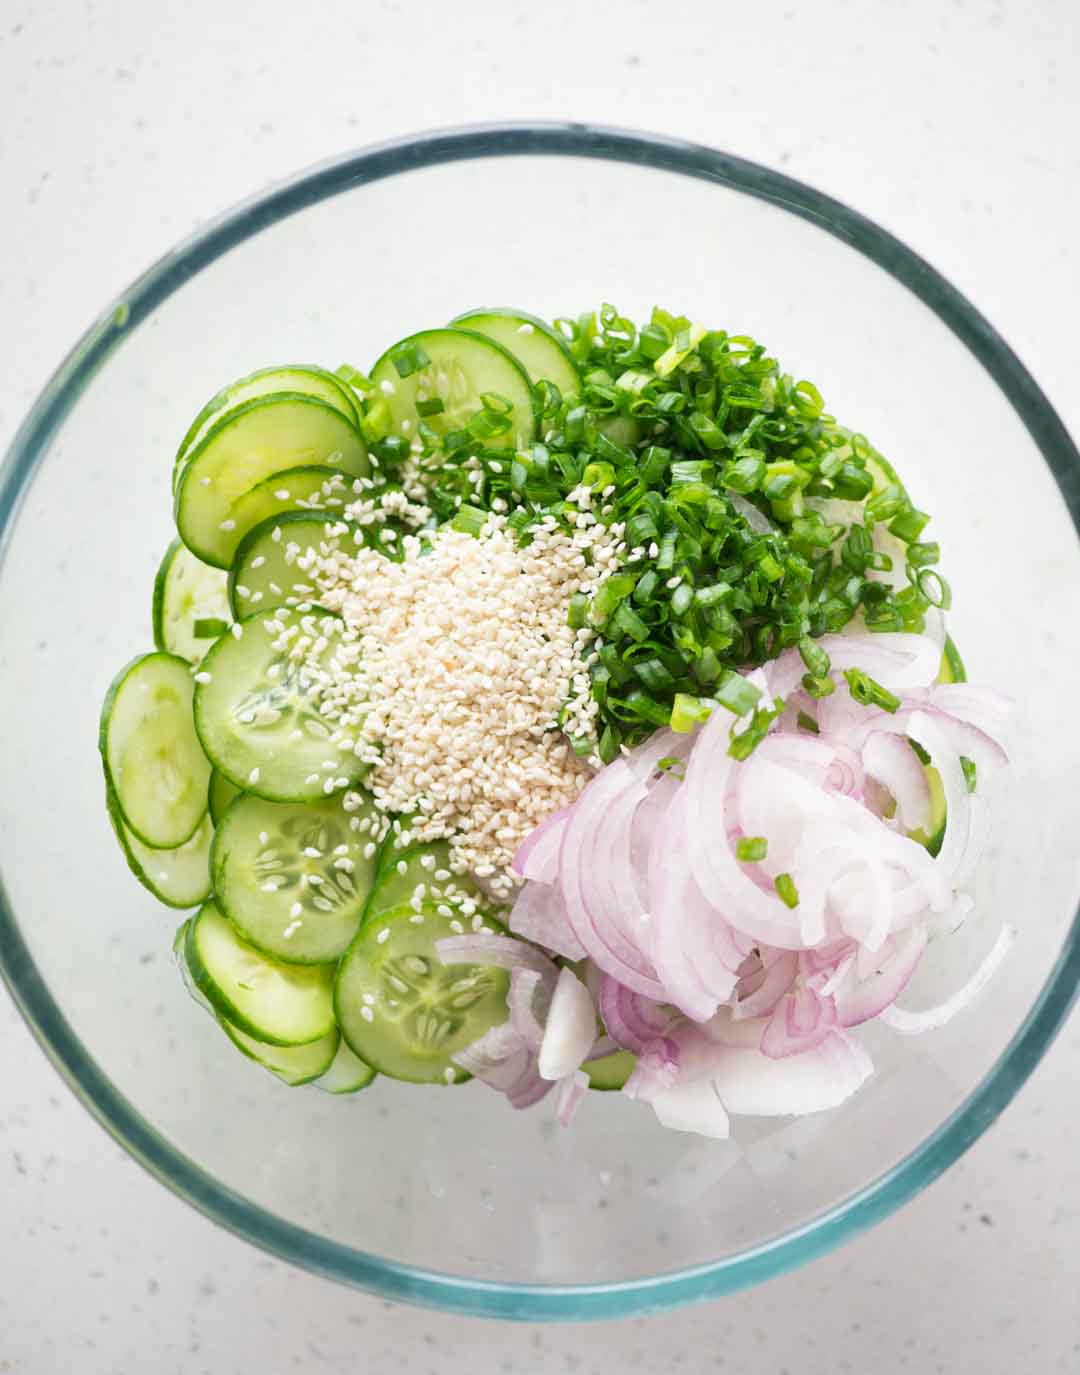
{"points": [[568, 1095], [800, 1022], [915, 1023], [693, 1107], [890, 759], [860, 998], [504, 952], [529, 1000], [749, 1083], [757, 520], [539, 915], [570, 1029]]}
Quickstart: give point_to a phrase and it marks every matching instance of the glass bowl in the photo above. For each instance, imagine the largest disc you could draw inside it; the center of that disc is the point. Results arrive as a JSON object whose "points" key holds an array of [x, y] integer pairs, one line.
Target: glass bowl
{"points": [[449, 1198]]}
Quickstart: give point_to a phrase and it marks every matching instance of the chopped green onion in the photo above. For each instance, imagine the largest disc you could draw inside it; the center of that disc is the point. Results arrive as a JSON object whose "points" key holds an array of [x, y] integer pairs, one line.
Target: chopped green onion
{"points": [[597, 476], [786, 890], [909, 525], [922, 555], [751, 849], [626, 619], [688, 712], [653, 673], [814, 657], [432, 406], [577, 610], [608, 746], [934, 588], [608, 596], [869, 693], [409, 358], [743, 475], [738, 695], [806, 722], [817, 687], [469, 520]]}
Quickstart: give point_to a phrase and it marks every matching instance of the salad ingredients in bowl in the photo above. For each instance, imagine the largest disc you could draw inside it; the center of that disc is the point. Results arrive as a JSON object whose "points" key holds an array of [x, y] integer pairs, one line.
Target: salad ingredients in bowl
{"points": [[564, 705]]}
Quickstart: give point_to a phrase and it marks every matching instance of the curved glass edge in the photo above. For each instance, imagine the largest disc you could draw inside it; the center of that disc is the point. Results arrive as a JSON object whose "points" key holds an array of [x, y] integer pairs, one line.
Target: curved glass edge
{"points": [[331, 1259]]}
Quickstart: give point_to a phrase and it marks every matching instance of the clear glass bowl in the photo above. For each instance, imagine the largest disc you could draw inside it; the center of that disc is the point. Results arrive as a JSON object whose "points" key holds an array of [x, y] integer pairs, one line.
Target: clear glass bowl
{"points": [[449, 1198]]}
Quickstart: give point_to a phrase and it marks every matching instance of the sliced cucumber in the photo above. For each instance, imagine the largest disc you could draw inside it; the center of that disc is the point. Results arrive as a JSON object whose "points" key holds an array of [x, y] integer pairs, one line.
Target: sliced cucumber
{"points": [[291, 1064], [310, 381], [404, 872], [402, 1010], [152, 758], [293, 878], [533, 343], [245, 447], [283, 1004], [461, 366], [266, 565], [180, 956], [186, 592], [257, 715], [347, 1074], [934, 835], [178, 878], [611, 1072], [220, 795]]}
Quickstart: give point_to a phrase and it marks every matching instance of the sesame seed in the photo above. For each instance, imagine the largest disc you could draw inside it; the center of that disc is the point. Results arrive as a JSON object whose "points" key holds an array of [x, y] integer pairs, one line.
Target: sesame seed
{"points": [[204, 677], [383, 935], [227, 525], [253, 776], [367, 1014]]}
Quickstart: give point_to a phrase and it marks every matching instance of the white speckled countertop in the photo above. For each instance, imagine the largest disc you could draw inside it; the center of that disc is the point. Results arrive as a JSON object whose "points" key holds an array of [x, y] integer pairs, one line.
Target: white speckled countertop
{"points": [[123, 125]]}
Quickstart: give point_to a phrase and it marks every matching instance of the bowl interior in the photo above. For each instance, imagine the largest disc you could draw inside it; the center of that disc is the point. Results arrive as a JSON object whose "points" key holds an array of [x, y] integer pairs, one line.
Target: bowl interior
{"points": [[454, 1182]]}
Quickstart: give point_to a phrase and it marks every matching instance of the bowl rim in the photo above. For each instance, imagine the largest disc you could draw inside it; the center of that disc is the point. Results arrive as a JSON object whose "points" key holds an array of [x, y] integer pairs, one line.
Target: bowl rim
{"points": [[391, 1279]]}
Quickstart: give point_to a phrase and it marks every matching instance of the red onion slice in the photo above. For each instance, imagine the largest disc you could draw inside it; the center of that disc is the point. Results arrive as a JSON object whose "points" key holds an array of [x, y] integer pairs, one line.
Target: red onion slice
{"points": [[890, 759], [568, 1096], [539, 915], [504, 952], [537, 857], [693, 1107], [750, 1083], [859, 999], [915, 1023], [529, 1001], [800, 1022]]}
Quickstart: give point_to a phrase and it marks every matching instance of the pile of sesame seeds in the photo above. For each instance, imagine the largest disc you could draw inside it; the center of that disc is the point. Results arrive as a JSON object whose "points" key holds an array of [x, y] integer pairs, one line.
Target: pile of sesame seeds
{"points": [[459, 678]]}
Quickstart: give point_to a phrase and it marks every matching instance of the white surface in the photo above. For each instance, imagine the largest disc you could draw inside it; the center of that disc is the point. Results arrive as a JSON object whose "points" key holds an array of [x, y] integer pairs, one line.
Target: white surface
{"points": [[122, 126]]}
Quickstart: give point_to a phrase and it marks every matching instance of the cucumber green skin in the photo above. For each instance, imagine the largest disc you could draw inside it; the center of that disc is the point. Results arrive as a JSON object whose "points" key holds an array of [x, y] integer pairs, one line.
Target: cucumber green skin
{"points": [[359, 1076], [220, 795], [103, 740], [116, 817], [220, 401], [485, 319], [161, 578], [354, 770], [219, 1001], [356, 951], [258, 533], [610, 1073], [189, 472], [292, 1080], [952, 666], [384, 369]]}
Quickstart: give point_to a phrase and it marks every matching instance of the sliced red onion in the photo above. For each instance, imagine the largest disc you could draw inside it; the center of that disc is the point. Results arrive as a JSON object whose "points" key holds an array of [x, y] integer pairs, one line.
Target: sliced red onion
{"points": [[655, 1071], [529, 1001], [631, 1020], [500, 1060], [693, 1107], [915, 1023], [503, 952], [537, 857], [602, 939], [859, 999], [778, 978], [539, 915], [570, 1029], [890, 759], [568, 1096], [750, 1083], [799, 1023]]}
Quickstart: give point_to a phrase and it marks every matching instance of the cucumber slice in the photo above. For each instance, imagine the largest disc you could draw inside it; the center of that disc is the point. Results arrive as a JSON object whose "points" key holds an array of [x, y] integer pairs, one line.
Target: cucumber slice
{"points": [[405, 1012], [248, 445], [535, 345], [461, 366], [302, 378], [952, 666], [220, 795], [179, 948], [294, 879], [347, 1074], [934, 835], [257, 715], [178, 878], [283, 1004], [403, 871], [611, 1072], [293, 1065], [266, 565], [152, 758], [186, 590]]}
